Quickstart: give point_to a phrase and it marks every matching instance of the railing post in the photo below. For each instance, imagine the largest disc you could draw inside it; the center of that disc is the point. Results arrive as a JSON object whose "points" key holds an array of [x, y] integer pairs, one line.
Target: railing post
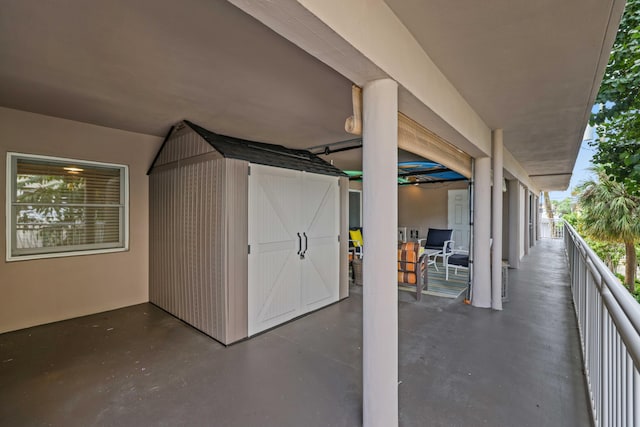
{"points": [[604, 410], [609, 385], [636, 398], [628, 368], [618, 380]]}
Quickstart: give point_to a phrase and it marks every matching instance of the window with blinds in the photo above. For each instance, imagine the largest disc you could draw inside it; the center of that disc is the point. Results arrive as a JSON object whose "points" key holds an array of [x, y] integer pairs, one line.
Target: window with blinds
{"points": [[61, 207]]}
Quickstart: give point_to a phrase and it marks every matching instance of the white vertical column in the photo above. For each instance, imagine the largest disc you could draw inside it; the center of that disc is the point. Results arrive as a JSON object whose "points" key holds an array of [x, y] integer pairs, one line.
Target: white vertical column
{"points": [[481, 233], [536, 218], [527, 220], [380, 270], [496, 253], [514, 222]]}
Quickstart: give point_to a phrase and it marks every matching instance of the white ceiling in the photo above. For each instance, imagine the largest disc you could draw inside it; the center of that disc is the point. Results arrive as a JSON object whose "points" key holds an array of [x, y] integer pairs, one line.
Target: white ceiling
{"points": [[144, 65], [530, 67]]}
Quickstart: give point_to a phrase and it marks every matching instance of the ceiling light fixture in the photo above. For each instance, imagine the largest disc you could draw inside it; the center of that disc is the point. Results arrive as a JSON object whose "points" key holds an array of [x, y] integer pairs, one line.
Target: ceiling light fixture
{"points": [[72, 169]]}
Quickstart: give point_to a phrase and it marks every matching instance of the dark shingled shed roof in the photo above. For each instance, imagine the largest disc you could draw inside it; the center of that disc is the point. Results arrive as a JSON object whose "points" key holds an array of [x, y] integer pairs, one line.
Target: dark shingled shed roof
{"points": [[266, 154]]}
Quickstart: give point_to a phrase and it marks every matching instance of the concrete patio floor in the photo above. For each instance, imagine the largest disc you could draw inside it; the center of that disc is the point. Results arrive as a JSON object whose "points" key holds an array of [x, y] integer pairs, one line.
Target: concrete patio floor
{"points": [[459, 366]]}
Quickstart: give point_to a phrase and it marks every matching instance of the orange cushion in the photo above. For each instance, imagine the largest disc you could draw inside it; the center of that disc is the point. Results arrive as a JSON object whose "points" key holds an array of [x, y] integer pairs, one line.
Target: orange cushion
{"points": [[407, 277], [408, 257]]}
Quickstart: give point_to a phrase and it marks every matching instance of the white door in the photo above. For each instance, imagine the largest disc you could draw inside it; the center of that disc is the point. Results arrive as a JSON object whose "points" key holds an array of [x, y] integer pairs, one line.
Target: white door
{"points": [[274, 264], [293, 236], [458, 210], [321, 227]]}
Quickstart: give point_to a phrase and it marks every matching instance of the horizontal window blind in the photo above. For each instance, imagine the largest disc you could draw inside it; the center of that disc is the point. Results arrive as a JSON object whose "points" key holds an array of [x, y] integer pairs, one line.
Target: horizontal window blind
{"points": [[63, 205]]}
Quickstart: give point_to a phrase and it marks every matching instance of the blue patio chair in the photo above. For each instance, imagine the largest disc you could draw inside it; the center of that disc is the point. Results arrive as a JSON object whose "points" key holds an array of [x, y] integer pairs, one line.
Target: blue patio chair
{"points": [[459, 259], [439, 239]]}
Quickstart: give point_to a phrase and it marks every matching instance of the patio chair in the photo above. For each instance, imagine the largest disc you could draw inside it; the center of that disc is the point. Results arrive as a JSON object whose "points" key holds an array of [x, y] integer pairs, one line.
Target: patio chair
{"points": [[356, 243], [458, 259], [412, 269], [439, 239]]}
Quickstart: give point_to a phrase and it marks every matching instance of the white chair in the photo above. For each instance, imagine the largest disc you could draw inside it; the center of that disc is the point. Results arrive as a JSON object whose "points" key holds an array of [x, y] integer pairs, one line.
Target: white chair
{"points": [[438, 240], [356, 249], [457, 259], [447, 251]]}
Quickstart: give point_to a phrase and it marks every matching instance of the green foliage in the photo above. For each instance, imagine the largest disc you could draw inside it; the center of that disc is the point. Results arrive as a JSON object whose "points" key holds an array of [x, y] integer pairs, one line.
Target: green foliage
{"points": [[610, 214], [609, 252], [572, 218], [620, 88], [608, 211], [562, 207], [618, 149], [618, 121], [636, 293]]}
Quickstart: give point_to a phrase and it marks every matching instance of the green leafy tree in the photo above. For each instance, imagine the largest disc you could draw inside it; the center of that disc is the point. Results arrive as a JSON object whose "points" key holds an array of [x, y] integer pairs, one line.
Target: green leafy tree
{"points": [[618, 149], [572, 218], [609, 252], [620, 88], [562, 207], [618, 119], [547, 205], [609, 213]]}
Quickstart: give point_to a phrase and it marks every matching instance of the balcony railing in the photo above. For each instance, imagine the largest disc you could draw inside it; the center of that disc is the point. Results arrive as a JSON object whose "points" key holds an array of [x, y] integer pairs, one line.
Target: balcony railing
{"points": [[551, 228], [609, 323]]}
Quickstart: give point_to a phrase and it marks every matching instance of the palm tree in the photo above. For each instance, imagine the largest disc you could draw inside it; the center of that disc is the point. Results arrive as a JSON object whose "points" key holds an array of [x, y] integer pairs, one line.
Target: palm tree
{"points": [[610, 213], [547, 205], [549, 209]]}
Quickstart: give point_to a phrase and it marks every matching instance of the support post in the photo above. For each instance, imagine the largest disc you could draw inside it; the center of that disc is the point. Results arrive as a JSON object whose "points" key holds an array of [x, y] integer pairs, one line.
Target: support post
{"points": [[496, 252], [536, 216], [514, 223], [481, 234], [527, 220], [380, 221]]}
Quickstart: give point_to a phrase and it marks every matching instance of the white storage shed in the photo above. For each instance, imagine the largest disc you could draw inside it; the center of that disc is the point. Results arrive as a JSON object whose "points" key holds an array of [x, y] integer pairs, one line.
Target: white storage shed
{"points": [[244, 235]]}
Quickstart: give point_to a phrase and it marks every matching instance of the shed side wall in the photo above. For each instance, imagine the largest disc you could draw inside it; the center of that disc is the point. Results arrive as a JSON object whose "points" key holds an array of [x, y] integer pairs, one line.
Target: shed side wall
{"points": [[186, 243]]}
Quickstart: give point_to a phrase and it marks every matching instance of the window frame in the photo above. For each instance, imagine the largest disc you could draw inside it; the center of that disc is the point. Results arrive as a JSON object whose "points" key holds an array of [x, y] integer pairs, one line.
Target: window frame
{"points": [[58, 252]]}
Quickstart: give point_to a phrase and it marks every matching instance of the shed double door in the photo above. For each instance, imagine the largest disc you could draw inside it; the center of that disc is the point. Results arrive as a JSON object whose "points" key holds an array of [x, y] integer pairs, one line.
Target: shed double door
{"points": [[294, 249]]}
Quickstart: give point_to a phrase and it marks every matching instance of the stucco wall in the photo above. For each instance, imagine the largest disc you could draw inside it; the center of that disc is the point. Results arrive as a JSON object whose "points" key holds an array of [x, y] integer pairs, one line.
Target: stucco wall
{"points": [[425, 206], [41, 291]]}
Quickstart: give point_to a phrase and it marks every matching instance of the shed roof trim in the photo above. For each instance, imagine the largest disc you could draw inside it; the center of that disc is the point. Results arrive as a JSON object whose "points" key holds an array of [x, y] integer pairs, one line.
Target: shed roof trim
{"points": [[266, 154]]}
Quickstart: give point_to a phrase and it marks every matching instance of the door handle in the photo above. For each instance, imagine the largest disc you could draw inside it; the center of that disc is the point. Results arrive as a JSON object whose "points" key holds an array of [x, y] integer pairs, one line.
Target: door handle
{"points": [[306, 243], [299, 243]]}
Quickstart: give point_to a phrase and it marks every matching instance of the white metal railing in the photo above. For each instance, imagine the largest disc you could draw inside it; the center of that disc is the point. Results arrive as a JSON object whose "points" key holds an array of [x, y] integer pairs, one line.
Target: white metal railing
{"points": [[609, 323], [551, 228]]}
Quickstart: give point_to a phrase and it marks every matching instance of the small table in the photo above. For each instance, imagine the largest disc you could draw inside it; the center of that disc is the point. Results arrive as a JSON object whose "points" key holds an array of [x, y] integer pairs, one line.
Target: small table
{"points": [[431, 257]]}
